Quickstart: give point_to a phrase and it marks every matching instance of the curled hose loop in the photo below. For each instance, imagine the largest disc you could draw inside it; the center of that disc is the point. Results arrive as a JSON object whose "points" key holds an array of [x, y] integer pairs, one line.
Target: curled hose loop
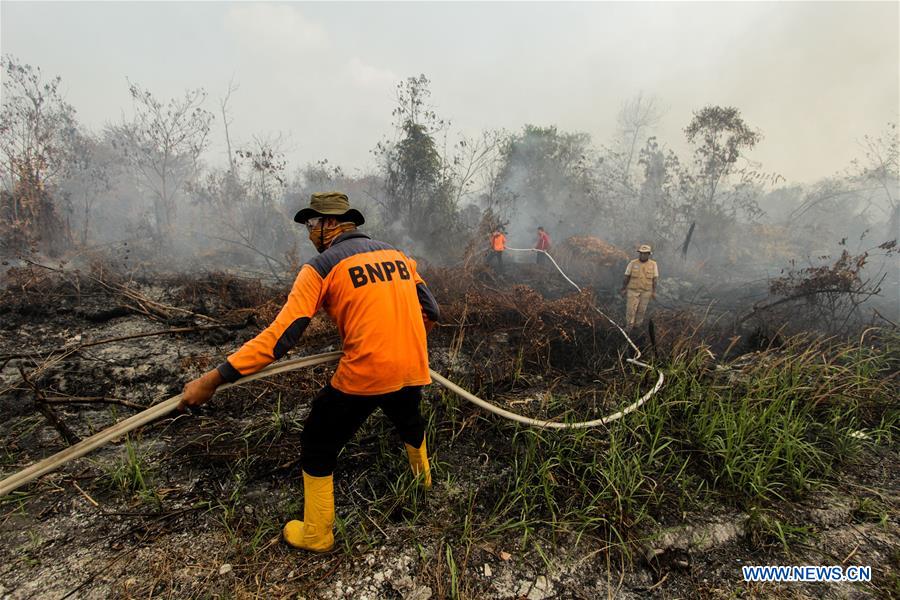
{"points": [[635, 360]]}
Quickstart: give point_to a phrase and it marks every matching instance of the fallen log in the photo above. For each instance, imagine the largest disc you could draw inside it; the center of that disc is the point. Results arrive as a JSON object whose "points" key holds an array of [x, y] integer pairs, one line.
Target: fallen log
{"points": [[41, 406], [123, 338]]}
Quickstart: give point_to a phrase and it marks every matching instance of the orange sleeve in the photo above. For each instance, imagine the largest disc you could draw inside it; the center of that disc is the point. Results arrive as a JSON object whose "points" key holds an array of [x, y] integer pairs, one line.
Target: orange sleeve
{"points": [[283, 334]]}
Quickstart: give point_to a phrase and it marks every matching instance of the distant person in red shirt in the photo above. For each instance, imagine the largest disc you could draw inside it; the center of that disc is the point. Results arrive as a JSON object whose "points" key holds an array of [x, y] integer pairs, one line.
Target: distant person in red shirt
{"points": [[543, 243]]}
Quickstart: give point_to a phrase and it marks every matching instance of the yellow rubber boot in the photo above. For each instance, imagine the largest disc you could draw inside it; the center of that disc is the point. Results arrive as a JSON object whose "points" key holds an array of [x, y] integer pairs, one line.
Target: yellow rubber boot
{"points": [[418, 460], [316, 531]]}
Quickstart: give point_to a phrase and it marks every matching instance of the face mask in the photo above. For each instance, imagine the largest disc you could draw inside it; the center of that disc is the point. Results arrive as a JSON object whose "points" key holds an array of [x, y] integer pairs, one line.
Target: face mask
{"points": [[322, 237]]}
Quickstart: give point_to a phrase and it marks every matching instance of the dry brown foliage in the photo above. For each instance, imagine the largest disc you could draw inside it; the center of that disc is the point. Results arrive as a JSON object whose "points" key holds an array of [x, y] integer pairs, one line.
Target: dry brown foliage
{"points": [[590, 259]]}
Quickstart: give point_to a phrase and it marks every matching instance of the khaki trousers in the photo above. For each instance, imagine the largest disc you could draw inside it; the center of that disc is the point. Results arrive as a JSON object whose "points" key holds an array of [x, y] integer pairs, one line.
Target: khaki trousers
{"points": [[636, 306]]}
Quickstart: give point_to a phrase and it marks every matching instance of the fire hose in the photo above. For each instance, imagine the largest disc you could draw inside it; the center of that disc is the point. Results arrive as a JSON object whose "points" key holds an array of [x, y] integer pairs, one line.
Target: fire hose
{"points": [[165, 407]]}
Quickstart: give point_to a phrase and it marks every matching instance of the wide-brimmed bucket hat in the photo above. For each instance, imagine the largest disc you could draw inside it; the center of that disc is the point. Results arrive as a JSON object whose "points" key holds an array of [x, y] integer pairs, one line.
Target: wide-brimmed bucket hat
{"points": [[644, 248], [329, 204]]}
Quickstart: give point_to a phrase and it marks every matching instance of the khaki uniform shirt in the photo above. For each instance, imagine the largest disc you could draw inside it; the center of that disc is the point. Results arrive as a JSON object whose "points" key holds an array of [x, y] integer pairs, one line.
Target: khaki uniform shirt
{"points": [[641, 275]]}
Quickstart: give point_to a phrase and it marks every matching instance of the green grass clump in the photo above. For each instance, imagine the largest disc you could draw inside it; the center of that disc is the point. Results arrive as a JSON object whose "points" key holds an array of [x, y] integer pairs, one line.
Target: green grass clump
{"points": [[766, 427], [131, 473], [779, 424]]}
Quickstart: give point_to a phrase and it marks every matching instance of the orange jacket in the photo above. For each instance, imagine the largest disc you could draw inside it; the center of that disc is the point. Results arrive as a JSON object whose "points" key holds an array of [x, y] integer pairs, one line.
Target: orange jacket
{"points": [[498, 242], [380, 305]]}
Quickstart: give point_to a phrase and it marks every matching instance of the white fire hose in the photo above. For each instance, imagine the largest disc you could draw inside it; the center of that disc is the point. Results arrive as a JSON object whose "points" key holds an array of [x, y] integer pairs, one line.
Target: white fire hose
{"points": [[161, 409]]}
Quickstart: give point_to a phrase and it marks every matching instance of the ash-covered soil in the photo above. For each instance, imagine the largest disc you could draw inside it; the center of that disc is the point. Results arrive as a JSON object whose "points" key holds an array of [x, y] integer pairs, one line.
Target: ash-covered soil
{"points": [[191, 506]]}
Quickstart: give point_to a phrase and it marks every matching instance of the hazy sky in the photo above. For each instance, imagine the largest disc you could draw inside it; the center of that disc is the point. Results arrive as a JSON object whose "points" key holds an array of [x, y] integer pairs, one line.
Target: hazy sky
{"points": [[813, 76]]}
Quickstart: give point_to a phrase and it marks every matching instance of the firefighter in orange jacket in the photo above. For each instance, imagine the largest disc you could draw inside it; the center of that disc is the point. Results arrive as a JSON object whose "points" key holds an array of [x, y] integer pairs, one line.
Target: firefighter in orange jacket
{"points": [[498, 245], [382, 309]]}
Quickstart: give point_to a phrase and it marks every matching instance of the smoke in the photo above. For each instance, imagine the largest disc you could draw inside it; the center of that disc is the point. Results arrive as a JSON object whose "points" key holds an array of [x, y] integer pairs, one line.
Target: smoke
{"points": [[753, 227]]}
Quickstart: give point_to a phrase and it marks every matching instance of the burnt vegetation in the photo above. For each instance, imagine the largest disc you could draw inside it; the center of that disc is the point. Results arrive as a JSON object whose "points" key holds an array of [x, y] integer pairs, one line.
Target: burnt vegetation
{"points": [[131, 264]]}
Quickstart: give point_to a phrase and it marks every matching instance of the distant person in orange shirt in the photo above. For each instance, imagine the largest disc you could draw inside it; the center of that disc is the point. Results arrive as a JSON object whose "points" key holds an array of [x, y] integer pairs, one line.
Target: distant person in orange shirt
{"points": [[498, 245], [383, 310], [543, 243]]}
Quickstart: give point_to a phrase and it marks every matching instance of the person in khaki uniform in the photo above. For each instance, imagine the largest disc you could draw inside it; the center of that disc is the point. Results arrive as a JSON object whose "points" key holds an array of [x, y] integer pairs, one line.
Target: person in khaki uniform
{"points": [[641, 276]]}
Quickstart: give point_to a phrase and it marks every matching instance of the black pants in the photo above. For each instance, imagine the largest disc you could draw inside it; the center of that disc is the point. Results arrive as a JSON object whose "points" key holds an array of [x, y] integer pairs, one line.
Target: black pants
{"points": [[336, 416], [497, 257], [542, 259]]}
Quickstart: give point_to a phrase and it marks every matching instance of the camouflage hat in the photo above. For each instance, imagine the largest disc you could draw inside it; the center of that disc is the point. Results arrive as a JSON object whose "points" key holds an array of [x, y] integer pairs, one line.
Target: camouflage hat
{"points": [[644, 248], [329, 204]]}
